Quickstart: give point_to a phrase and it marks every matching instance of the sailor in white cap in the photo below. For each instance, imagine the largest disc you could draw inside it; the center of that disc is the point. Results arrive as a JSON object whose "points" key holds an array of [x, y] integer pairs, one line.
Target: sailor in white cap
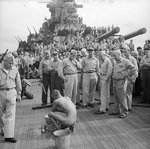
{"points": [[105, 78], [123, 70], [10, 90]]}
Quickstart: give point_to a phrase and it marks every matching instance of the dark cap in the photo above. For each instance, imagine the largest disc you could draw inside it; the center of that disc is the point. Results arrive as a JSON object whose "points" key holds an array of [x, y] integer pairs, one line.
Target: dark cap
{"points": [[55, 53], [90, 48]]}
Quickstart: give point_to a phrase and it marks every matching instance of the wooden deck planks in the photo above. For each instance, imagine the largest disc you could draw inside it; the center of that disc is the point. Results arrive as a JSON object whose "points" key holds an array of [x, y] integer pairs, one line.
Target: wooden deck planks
{"points": [[91, 131]]}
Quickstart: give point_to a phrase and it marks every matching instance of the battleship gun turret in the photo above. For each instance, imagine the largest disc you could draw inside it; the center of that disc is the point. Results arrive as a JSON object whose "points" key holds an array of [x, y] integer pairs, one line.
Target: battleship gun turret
{"points": [[136, 33], [108, 34]]}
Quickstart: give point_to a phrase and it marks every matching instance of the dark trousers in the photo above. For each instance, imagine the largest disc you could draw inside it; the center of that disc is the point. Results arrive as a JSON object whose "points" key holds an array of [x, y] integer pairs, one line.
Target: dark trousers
{"points": [[137, 86], [46, 84], [57, 83], [145, 77]]}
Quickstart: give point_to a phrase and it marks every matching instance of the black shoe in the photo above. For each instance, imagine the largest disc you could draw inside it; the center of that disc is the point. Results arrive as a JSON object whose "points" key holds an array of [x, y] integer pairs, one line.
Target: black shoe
{"points": [[11, 140], [114, 113], [43, 104], [123, 116], [78, 104], [91, 105], [99, 112], [77, 107], [83, 106]]}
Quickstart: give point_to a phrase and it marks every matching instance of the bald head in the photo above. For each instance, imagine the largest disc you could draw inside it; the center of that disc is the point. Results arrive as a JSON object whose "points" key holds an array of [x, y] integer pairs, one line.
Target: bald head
{"points": [[56, 94], [116, 54], [9, 61], [9, 58]]}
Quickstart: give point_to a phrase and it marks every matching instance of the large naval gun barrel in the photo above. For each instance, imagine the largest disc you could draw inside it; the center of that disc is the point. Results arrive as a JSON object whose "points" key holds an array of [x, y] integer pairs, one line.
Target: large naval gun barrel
{"points": [[110, 33], [136, 33]]}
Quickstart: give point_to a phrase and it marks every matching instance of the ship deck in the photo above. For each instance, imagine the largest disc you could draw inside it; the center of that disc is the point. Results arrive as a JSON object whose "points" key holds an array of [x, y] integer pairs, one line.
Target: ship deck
{"points": [[91, 131]]}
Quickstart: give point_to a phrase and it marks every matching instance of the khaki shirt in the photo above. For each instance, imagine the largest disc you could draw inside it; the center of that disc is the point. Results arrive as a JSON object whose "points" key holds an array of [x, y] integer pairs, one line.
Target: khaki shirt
{"points": [[45, 67], [90, 65], [123, 69], [10, 79], [68, 67], [105, 68], [55, 65], [133, 61]]}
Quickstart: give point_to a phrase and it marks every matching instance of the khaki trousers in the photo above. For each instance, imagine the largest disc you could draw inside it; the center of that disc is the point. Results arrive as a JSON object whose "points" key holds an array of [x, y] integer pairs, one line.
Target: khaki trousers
{"points": [[7, 112]]}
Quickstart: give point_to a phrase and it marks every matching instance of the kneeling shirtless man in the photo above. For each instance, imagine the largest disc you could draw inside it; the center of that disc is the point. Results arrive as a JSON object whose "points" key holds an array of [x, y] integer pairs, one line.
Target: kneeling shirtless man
{"points": [[66, 106]]}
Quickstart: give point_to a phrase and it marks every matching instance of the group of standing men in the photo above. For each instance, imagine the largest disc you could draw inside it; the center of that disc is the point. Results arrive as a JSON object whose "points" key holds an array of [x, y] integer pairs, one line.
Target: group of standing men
{"points": [[82, 72]]}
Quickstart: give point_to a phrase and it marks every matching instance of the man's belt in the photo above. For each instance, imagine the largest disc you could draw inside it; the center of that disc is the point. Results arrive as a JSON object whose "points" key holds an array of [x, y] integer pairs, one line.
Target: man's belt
{"points": [[6, 89], [119, 79], [70, 73], [103, 74], [89, 71]]}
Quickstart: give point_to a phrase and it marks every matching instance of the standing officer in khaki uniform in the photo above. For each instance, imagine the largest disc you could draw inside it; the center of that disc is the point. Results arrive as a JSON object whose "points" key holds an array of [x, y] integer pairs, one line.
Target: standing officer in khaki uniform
{"points": [[90, 67], [68, 71], [123, 70], [57, 83], [105, 78], [10, 90], [45, 76], [130, 81], [79, 86]]}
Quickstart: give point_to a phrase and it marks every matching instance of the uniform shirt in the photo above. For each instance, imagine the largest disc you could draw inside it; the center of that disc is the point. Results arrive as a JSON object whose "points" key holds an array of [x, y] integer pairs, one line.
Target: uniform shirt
{"points": [[68, 67], [79, 69], [17, 62], [55, 65], [45, 67], [10, 79], [133, 61], [123, 69], [105, 68], [143, 61], [90, 64], [27, 60]]}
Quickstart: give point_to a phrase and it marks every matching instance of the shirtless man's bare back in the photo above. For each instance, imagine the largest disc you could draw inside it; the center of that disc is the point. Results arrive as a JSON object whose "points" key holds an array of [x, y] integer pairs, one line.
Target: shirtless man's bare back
{"points": [[63, 105]]}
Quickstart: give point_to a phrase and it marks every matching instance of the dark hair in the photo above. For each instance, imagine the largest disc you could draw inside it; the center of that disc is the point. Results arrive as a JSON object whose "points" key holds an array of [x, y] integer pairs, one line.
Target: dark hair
{"points": [[139, 47]]}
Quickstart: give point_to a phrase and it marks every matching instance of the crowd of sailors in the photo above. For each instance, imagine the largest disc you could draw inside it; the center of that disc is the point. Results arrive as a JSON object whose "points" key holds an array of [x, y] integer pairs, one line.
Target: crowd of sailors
{"points": [[78, 73]]}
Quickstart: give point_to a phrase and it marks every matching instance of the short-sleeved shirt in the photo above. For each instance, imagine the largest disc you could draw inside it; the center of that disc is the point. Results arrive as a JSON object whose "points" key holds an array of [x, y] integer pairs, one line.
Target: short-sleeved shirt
{"points": [[122, 69], [44, 67], [90, 64], [105, 68], [10, 78], [68, 67]]}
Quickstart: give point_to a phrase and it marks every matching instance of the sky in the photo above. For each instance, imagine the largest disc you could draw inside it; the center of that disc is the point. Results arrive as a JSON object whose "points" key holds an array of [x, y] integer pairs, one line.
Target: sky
{"points": [[17, 15]]}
